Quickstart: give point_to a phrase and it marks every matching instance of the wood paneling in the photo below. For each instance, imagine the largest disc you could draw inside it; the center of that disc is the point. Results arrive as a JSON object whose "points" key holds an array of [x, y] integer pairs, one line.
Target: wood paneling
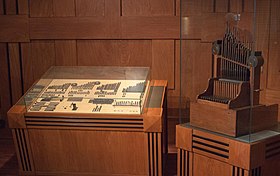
{"points": [[90, 7], [65, 53], [221, 5], [42, 56], [115, 52], [48, 151], [135, 53], [190, 7], [148, 7], [41, 8], [11, 7], [1, 7], [27, 66], [163, 61], [207, 5], [249, 5], [23, 7], [150, 27], [64, 8], [5, 99], [15, 71], [14, 28], [262, 39], [193, 61], [74, 28], [236, 6], [98, 52], [202, 166], [273, 81], [112, 8]]}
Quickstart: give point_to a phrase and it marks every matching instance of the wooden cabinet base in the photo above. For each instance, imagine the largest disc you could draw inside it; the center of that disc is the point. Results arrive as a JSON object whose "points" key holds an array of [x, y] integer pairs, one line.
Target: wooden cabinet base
{"points": [[233, 122], [90, 144], [202, 153]]}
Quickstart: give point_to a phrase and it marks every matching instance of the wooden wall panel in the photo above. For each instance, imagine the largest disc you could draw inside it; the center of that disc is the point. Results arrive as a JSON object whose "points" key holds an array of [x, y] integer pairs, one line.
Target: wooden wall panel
{"points": [[27, 66], [15, 71], [148, 7], [192, 62], [23, 7], [11, 7], [112, 8], [189, 7], [249, 5], [163, 61], [64, 8], [236, 6], [194, 80], [14, 28], [1, 7], [273, 81], [5, 99], [74, 28], [41, 8], [150, 28], [98, 52], [208, 6], [262, 39], [65, 52], [135, 53], [114, 52], [90, 7], [221, 5], [42, 56]]}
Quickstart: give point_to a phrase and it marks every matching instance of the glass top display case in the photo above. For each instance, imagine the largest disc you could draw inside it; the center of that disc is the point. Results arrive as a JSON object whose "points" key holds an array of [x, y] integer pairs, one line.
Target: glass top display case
{"points": [[90, 89], [224, 81]]}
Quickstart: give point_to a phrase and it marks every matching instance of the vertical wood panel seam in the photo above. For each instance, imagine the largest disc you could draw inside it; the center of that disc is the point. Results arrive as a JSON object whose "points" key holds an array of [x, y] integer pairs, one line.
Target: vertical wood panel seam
{"points": [[175, 8], [17, 11], [55, 59], [268, 51], [21, 69], [9, 73], [28, 11], [19, 149], [149, 164], [27, 152], [214, 6], [4, 8], [121, 8], [174, 65], [243, 6], [228, 7], [75, 8]]}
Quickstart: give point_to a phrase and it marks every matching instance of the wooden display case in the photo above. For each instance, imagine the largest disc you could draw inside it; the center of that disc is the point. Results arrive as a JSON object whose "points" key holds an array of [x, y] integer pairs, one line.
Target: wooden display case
{"points": [[205, 153], [77, 143]]}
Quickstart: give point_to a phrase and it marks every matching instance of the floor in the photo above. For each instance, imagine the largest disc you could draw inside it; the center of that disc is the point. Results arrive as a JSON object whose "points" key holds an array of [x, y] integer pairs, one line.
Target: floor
{"points": [[9, 165]]}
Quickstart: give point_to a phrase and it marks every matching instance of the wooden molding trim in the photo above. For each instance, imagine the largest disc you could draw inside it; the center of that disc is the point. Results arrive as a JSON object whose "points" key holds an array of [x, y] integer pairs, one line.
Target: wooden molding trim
{"points": [[14, 28]]}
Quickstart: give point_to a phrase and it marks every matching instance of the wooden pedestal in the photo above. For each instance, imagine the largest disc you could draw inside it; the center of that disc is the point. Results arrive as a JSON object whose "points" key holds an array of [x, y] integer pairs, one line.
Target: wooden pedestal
{"points": [[203, 153], [87, 144]]}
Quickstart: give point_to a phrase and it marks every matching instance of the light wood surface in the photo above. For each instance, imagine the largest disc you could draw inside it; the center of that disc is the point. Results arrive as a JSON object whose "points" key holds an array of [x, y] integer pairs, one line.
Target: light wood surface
{"points": [[214, 154]]}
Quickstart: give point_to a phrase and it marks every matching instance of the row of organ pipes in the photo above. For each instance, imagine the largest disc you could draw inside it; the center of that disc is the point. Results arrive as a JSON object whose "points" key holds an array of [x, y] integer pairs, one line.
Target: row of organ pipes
{"points": [[232, 67]]}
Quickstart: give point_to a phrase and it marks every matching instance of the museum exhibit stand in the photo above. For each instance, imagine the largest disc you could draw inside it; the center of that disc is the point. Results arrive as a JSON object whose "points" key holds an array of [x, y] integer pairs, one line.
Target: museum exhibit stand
{"points": [[91, 121], [230, 132]]}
